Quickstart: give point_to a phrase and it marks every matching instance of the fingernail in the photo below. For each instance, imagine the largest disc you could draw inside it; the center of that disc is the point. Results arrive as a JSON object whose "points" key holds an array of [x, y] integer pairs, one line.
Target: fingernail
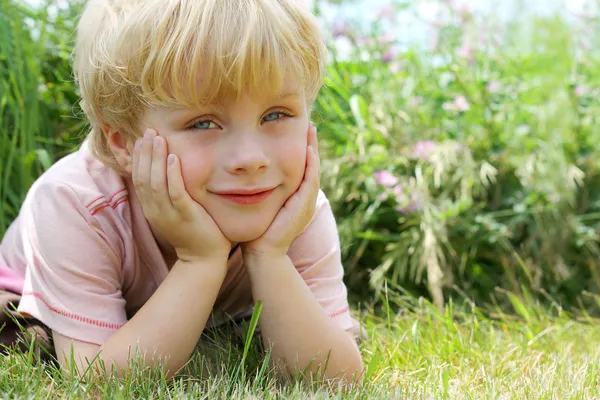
{"points": [[138, 144], [171, 159], [149, 135]]}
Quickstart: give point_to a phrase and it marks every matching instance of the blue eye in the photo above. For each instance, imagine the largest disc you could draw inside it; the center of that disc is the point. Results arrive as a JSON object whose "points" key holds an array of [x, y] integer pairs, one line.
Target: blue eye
{"points": [[274, 116], [204, 125]]}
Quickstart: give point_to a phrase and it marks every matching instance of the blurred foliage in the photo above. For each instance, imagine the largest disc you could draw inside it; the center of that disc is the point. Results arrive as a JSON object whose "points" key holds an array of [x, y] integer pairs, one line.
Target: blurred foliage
{"points": [[455, 169], [38, 101], [468, 165]]}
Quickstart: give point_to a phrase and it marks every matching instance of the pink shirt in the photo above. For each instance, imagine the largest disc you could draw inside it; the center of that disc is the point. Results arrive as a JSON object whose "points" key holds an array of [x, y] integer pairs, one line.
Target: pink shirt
{"points": [[85, 260]]}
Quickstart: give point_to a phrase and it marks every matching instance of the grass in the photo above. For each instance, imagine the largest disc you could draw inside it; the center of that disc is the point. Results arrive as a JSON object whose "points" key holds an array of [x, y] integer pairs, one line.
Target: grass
{"points": [[464, 353]]}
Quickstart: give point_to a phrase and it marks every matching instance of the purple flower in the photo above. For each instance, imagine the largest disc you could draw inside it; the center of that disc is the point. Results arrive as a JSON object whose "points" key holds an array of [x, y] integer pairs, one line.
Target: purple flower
{"points": [[364, 41], [389, 55], [408, 204], [340, 29], [386, 179], [423, 149], [580, 90], [415, 101]]}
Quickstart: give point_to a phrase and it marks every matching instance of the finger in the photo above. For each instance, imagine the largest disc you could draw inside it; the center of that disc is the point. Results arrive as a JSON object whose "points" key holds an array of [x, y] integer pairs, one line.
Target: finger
{"points": [[313, 158], [313, 169], [135, 161], [177, 192], [313, 139], [311, 182], [145, 163], [158, 173]]}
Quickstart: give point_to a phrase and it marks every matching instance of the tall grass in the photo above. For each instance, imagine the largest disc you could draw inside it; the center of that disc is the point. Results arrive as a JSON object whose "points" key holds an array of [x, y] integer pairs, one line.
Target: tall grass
{"points": [[37, 99]]}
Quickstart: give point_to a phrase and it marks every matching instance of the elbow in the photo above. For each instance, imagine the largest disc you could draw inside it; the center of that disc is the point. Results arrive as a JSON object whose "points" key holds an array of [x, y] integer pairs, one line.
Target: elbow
{"points": [[353, 370], [346, 370]]}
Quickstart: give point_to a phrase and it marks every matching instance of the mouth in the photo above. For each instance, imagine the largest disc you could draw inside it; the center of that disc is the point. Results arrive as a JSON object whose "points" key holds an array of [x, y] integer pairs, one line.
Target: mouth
{"points": [[246, 197]]}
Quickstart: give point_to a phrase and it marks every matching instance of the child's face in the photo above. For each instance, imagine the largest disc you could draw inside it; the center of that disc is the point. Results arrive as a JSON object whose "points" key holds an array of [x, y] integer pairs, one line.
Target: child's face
{"points": [[256, 143]]}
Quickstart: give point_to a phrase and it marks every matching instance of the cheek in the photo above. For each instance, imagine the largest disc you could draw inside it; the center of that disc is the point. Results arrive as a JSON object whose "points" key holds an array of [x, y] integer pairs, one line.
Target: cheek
{"points": [[292, 158], [197, 162]]}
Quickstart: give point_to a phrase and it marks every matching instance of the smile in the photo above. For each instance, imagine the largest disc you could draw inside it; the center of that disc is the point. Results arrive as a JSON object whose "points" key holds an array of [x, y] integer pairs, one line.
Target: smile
{"points": [[247, 199]]}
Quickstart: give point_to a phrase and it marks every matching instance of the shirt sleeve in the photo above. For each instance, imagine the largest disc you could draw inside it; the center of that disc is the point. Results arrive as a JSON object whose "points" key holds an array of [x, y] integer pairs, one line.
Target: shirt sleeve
{"points": [[72, 281], [317, 257]]}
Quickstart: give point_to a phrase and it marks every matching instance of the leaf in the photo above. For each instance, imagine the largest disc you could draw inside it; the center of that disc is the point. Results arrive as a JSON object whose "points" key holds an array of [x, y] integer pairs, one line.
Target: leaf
{"points": [[359, 110]]}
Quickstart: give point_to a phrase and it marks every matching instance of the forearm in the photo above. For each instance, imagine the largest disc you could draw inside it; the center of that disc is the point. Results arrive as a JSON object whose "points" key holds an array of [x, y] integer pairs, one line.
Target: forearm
{"points": [[167, 328], [293, 322]]}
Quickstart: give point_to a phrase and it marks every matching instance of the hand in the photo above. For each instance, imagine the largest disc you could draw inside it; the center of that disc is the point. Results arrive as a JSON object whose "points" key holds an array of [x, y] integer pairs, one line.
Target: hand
{"points": [[297, 211], [168, 206]]}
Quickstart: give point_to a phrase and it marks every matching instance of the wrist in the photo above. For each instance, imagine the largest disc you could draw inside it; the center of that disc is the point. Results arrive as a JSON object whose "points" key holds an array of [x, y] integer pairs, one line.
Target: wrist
{"points": [[213, 262], [262, 259], [262, 252], [194, 257]]}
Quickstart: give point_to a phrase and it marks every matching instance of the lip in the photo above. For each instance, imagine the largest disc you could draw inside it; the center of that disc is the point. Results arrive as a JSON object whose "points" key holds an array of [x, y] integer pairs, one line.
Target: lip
{"points": [[246, 197]]}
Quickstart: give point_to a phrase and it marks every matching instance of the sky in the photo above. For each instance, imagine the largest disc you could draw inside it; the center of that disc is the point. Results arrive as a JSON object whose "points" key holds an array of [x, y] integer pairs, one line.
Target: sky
{"points": [[413, 29]]}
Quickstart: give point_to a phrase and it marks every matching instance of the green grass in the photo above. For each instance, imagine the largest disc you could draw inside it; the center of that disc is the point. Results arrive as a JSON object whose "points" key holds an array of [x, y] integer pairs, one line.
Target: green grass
{"points": [[415, 353]]}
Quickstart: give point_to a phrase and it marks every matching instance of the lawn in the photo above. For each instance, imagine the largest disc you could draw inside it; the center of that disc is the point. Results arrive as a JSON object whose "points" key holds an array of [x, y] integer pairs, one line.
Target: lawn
{"points": [[414, 353]]}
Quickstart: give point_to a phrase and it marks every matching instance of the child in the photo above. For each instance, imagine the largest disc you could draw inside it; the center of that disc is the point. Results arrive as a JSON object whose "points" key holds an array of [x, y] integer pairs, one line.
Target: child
{"points": [[195, 195]]}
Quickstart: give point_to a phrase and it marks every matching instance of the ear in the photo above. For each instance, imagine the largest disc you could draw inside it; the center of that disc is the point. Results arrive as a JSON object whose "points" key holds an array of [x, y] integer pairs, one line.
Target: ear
{"points": [[121, 148]]}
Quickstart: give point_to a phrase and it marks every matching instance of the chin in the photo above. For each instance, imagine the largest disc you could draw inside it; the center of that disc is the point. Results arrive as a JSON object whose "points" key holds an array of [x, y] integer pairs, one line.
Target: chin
{"points": [[239, 232]]}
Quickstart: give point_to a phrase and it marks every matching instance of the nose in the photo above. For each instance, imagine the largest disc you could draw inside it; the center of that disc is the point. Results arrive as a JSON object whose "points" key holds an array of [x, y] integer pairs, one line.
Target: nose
{"points": [[247, 155]]}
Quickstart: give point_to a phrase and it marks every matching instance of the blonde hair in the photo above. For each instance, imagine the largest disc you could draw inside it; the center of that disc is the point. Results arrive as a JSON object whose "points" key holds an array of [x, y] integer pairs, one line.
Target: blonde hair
{"points": [[134, 54]]}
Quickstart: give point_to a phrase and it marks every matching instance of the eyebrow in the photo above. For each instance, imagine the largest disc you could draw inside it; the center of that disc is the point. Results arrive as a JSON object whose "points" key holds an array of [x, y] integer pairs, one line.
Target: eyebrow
{"points": [[181, 112], [289, 94]]}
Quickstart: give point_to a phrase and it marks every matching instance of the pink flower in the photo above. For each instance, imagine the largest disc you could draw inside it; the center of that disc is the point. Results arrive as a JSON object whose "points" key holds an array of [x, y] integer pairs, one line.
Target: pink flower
{"points": [[396, 67], [399, 194], [434, 40], [464, 10], [579, 90], [462, 104], [493, 87], [388, 12], [423, 149], [465, 52], [386, 38], [386, 179]]}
